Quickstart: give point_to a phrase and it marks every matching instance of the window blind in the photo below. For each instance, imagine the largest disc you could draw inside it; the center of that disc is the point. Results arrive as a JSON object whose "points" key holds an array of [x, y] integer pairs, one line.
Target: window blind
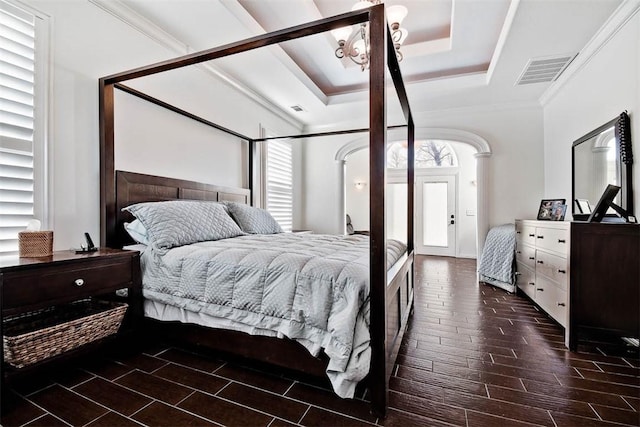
{"points": [[279, 186], [17, 107]]}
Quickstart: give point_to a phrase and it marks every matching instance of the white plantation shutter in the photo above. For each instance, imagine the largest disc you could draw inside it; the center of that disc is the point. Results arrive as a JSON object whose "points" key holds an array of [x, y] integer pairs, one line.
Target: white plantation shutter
{"points": [[17, 123], [279, 182]]}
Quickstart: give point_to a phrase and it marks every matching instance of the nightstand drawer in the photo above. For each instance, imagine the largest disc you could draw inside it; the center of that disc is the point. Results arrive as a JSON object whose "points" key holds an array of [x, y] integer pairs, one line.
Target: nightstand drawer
{"points": [[53, 284]]}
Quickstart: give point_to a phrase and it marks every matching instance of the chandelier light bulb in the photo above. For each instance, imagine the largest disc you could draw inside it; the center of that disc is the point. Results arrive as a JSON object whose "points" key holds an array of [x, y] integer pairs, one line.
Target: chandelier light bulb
{"points": [[396, 14], [342, 34], [361, 5]]}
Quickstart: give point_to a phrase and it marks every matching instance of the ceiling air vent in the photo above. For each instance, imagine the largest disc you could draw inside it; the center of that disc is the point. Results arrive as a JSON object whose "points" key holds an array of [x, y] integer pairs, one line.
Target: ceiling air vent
{"points": [[542, 70], [297, 108]]}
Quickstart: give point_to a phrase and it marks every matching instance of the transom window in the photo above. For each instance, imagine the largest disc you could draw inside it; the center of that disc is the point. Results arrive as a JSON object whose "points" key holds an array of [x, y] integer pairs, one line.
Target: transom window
{"points": [[429, 154]]}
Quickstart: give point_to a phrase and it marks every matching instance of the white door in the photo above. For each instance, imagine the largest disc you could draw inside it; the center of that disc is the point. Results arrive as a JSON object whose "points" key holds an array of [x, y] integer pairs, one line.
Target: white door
{"points": [[435, 215]]}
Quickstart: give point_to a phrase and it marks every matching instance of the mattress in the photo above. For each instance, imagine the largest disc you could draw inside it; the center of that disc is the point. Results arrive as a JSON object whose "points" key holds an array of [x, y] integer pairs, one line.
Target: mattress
{"points": [[312, 288]]}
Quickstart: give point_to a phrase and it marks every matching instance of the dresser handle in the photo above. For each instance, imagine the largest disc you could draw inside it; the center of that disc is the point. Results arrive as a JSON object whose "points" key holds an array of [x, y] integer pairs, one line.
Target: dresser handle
{"points": [[79, 282], [562, 271], [518, 232], [540, 289], [532, 284], [532, 257], [540, 237], [561, 304], [518, 273], [540, 262], [518, 252], [532, 235], [562, 241]]}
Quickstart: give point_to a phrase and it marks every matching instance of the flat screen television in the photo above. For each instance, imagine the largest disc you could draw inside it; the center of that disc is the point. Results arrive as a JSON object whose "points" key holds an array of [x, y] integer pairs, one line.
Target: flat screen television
{"points": [[606, 202]]}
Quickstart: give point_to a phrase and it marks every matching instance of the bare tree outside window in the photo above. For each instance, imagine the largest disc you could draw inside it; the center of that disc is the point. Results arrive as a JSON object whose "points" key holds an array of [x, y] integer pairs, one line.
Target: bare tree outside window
{"points": [[397, 156], [434, 153], [429, 154]]}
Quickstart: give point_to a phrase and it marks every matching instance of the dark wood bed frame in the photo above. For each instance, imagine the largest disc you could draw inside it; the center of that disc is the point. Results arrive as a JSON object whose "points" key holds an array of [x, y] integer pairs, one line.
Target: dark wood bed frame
{"points": [[391, 292]]}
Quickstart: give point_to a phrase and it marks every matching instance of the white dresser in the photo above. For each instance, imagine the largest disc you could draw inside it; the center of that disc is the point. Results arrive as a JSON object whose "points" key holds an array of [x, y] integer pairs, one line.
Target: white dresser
{"points": [[542, 265]]}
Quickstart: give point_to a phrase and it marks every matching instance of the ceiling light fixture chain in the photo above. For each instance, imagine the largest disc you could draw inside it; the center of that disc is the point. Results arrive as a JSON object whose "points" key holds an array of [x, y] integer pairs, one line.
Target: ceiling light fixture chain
{"points": [[354, 43]]}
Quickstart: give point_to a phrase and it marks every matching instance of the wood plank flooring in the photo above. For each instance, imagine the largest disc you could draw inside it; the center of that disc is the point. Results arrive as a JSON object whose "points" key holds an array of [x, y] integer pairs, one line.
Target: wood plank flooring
{"points": [[473, 356]]}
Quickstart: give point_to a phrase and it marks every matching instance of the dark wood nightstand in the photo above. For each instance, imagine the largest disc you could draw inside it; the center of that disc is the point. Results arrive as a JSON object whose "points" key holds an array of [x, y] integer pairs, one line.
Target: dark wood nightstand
{"points": [[29, 284]]}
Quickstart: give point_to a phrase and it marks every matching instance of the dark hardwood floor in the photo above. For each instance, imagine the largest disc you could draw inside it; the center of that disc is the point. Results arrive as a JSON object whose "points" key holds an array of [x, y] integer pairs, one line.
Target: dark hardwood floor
{"points": [[473, 356]]}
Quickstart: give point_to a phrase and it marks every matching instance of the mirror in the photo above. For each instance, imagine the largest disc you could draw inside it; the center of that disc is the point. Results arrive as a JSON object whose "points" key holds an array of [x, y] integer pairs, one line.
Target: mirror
{"points": [[600, 158]]}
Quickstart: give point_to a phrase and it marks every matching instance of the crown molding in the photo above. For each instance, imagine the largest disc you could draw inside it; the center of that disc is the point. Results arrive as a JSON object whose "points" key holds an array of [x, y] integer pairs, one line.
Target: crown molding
{"points": [[623, 14], [119, 10]]}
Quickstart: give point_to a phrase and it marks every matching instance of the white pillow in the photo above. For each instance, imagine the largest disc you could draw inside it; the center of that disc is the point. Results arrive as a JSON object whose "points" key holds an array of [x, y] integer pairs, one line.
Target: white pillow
{"points": [[137, 231]]}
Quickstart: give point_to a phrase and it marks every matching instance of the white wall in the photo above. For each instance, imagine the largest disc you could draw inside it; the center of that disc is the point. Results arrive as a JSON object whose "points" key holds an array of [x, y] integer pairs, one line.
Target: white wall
{"points": [[605, 86], [357, 199], [179, 148], [88, 43], [467, 201], [323, 197]]}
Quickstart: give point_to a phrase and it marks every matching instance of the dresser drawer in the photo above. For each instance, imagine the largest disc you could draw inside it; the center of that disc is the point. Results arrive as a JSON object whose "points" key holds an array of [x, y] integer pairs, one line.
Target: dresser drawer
{"points": [[54, 284], [525, 234], [554, 267], [525, 279], [553, 239], [526, 255], [551, 299]]}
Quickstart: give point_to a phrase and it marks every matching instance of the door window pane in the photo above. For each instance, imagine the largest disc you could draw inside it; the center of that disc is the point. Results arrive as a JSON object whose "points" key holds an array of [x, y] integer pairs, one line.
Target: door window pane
{"points": [[435, 217]]}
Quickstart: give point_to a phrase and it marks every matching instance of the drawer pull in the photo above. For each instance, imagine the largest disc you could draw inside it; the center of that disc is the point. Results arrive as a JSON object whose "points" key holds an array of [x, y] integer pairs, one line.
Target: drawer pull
{"points": [[518, 273], [518, 252], [532, 257], [561, 304], [540, 289], [562, 241], [532, 235], [518, 232], [532, 284], [540, 237], [562, 271], [540, 261], [79, 282]]}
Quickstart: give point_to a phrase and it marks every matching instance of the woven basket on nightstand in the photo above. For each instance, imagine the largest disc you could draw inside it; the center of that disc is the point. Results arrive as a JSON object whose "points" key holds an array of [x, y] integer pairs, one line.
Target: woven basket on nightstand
{"points": [[35, 243], [35, 336]]}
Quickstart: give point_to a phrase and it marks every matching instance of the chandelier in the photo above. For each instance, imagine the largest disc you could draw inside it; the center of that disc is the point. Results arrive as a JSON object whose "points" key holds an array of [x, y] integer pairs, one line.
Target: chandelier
{"points": [[354, 44]]}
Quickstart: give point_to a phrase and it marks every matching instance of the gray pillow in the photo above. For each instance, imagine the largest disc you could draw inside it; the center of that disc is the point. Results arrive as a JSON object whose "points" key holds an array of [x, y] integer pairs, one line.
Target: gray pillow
{"points": [[182, 222], [253, 220]]}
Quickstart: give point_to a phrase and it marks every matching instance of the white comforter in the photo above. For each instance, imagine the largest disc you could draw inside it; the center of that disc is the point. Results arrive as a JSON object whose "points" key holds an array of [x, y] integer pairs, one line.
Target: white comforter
{"points": [[309, 287]]}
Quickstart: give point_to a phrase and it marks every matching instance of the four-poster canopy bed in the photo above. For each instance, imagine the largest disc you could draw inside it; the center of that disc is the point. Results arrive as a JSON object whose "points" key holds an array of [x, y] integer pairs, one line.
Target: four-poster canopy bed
{"points": [[390, 289]]}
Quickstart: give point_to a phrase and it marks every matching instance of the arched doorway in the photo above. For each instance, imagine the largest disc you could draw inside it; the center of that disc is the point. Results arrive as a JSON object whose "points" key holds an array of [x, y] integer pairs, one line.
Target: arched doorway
{"points": [[482, 153]]}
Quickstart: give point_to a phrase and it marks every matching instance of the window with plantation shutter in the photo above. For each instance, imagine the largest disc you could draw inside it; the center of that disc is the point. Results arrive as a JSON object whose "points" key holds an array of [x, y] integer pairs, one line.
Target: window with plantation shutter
{"points": [[279, 182], [21, 196]]}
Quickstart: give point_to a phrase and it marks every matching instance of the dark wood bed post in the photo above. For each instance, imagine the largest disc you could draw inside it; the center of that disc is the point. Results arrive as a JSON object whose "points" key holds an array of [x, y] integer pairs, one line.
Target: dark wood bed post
{"points": [[378, 180], [411, 184], [107, 165], [251, 158]]}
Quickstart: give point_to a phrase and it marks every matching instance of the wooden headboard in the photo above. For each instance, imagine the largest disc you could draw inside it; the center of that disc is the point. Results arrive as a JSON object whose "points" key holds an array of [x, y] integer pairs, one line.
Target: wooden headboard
{"points": [[134, 188]]}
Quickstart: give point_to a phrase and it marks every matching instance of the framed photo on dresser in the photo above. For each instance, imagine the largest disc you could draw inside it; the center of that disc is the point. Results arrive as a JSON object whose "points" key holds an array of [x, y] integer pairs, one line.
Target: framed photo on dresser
{"points": [[552, 209]]}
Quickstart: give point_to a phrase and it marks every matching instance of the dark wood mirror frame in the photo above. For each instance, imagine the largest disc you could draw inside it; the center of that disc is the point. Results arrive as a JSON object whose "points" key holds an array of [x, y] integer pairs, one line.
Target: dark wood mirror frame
{"points": [[624, 160]]}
